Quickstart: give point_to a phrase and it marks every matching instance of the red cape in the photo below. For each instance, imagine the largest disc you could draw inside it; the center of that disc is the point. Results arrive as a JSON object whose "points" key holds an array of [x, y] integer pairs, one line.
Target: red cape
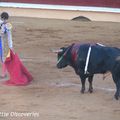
{"points": [[19, 75]]}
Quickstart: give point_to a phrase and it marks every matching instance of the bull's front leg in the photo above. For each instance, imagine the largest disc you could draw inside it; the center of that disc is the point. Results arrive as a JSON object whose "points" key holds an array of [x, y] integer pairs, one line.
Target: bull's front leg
{"points": [[90, 79], [83, 79]]}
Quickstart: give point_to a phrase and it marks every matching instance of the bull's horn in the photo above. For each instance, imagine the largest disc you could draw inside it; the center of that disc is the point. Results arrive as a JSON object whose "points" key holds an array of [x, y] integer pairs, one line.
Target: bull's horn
{"points": [[57, 51]]}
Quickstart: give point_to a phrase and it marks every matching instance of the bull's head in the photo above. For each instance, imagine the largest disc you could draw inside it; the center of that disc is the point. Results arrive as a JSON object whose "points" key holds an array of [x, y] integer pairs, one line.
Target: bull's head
{"points": [[62, 58]]}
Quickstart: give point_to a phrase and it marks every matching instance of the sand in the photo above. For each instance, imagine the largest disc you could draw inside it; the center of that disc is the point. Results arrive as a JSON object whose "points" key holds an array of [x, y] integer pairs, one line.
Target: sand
{"points": [[55, 94]]}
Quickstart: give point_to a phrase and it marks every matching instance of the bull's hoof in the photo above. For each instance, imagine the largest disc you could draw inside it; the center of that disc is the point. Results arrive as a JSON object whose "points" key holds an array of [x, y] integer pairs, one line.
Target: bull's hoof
{"points": [[116, 97], [82, 91], [90, 90]]}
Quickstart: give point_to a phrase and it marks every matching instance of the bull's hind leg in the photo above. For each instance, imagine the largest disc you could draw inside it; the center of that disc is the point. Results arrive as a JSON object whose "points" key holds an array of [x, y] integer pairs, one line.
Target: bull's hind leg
{"points": [[117, 94], [90, 79], [116, 79]]}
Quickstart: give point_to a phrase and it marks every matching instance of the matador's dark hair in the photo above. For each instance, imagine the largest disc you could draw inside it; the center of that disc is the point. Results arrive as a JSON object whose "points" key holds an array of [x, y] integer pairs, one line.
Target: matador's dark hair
{"points": [[4, 15]]}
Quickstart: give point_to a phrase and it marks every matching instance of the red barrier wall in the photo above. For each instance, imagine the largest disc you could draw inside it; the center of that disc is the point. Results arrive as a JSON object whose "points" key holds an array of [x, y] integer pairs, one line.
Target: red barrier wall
{"points": [[97, 3]]}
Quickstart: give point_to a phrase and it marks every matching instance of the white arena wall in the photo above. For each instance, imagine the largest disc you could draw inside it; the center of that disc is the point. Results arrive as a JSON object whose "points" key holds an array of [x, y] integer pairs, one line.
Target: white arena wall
{"points": [[61, 11]]}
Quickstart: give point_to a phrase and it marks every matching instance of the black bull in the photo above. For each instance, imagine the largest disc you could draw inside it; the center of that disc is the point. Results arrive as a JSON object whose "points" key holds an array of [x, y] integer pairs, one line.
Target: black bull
{"points": [[102, 59]]}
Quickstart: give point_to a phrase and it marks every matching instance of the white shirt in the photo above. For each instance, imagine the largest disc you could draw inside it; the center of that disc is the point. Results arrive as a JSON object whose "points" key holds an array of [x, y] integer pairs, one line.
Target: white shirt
{"points": [[6, 29], [1, 22]]}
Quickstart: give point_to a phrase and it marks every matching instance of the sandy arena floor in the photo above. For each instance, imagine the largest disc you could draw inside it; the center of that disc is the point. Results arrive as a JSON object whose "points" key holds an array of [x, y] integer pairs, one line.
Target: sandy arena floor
{"points": [[55, 94]]}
